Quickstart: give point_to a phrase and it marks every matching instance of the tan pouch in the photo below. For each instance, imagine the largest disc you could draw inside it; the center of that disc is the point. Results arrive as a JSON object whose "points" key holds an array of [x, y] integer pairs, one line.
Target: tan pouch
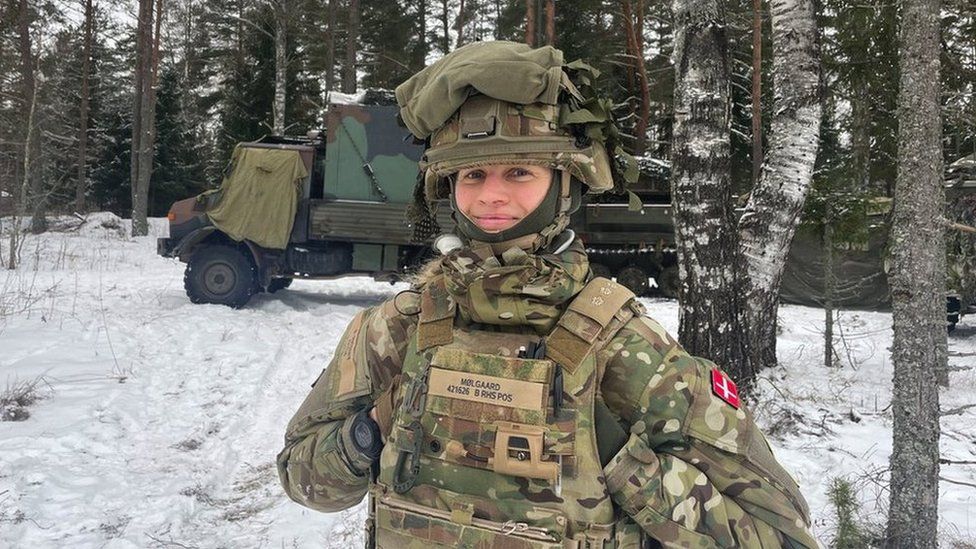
{"points": [[405, 527]]}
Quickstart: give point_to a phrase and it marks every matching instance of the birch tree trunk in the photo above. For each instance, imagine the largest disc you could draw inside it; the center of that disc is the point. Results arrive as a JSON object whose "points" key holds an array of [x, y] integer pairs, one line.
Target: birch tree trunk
{"points": [[280, 9], [710, 310], [757, 150], [352, 42], [917, 283], [773, 211], [81, 183]]}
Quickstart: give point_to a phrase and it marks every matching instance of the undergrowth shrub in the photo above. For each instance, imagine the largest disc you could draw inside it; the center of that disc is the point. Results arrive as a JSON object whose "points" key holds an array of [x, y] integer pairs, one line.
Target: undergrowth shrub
{"points": [[17, 397]]}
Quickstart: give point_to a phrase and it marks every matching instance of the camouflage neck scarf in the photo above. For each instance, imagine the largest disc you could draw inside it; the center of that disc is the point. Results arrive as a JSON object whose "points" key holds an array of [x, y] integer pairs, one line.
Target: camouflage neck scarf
{"points": [[516, 288]]}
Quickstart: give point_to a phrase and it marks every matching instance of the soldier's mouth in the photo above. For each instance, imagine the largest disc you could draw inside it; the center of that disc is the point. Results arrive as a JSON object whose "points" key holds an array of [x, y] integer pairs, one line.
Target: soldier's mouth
{"points": [[495, 222]]}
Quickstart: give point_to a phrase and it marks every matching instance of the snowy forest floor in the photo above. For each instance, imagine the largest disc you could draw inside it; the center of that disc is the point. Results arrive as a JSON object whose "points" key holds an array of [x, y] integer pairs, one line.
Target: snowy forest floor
{"points": [[158, 420]]}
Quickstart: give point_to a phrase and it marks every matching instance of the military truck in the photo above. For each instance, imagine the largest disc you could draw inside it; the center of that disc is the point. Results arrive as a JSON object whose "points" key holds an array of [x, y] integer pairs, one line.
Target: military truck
{"points": [[334, 203]]}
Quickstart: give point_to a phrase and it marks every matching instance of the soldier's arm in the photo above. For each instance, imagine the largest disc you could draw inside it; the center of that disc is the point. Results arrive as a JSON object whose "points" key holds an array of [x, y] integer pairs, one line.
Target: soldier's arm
{"points": [[696, 471], [315, 467]]}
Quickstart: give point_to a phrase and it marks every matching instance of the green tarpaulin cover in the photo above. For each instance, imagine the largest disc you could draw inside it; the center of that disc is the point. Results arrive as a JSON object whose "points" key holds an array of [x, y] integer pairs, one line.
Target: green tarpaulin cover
{"points": [[259, 197]]}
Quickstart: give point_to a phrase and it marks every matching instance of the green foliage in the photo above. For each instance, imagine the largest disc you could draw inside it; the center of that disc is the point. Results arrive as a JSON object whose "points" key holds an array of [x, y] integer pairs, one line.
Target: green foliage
{"points": [[849, 534], [178, 162], [390, 40]]}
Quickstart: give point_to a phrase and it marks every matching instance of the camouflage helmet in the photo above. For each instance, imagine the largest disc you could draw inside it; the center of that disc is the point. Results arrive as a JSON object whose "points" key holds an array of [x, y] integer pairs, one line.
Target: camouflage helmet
{"points": [[492, 103], [487, 131]]}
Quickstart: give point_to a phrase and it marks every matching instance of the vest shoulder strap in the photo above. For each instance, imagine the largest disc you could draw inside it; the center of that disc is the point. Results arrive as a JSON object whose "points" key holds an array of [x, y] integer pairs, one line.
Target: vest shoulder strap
{"points": [[436, 322], [590, 312]]}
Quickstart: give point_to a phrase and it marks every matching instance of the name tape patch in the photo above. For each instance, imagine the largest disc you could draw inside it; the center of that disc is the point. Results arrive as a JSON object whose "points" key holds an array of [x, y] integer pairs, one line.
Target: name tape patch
{"points": [[498, 391]]}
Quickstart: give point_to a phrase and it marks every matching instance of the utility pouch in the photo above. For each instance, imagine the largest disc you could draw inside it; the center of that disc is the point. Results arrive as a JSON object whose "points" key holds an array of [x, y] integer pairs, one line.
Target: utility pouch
{"points": [[494, 412], [401, 524]]}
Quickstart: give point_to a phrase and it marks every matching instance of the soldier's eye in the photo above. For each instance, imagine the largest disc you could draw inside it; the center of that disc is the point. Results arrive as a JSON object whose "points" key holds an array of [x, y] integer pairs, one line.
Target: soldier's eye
{"points": [[473, 175]]}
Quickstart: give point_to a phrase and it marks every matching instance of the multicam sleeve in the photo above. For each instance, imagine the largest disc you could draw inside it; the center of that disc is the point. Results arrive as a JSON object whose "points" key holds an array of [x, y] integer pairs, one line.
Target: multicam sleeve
{"points": [[314, 467], [696, 471]]}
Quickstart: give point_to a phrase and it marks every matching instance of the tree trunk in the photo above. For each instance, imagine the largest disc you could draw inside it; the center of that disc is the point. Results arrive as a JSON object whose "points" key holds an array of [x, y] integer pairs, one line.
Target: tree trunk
{"points": [[81, 183], [352, 43], [550, 9], [757, 149], [35, 198], [330, 45], [861, 140], [446, 25], [22, 198], [143, 22], [530, 22], [459, 26], [420, 53], [830, 287], [710, 311], [634, 29], [281, 65], [147, 62], [918, 273], [773, 211]]}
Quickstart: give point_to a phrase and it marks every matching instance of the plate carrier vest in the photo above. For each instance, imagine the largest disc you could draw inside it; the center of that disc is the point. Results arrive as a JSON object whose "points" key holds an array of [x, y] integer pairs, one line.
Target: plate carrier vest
{"points": [[494, 444]]}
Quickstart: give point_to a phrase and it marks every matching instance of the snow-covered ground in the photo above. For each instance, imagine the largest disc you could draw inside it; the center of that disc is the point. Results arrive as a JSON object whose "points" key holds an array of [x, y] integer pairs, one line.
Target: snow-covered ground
{"points": [[161, 419]]}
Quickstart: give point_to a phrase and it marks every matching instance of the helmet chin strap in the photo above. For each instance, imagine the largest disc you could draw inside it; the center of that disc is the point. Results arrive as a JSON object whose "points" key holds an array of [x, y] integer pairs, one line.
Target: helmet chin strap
{"points": [[559, 198]]}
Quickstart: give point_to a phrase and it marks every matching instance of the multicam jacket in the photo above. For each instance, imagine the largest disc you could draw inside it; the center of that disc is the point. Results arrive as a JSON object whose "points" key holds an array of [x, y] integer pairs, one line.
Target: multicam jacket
{"points": [[502, 458]]}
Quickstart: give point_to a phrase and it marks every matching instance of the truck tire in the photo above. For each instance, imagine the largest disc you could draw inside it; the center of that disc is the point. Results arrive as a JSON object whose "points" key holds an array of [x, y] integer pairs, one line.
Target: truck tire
{"points": [[278, 284], [220, 274], [634, 279], [668, 282]]}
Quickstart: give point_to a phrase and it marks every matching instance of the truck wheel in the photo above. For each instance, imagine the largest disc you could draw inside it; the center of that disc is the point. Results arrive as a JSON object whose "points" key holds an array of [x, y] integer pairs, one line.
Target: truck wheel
{"points": [[599, 269], [634, 279], [219, 274], [668, 282], [278, 284]]}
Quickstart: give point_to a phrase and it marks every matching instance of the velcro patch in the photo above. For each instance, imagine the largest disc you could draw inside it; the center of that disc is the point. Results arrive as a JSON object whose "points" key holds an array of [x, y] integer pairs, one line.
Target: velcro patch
{"points": [[498, 391], [724, 388]]}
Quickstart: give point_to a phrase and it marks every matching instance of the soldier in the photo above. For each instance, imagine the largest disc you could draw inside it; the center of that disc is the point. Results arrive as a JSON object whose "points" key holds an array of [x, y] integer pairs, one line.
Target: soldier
{"points": [[510, 399]]}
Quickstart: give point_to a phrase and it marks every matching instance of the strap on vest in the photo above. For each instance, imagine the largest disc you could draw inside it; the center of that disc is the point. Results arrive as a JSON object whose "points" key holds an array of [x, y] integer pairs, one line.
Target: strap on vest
{"points": [[580, 326], [436, 321]]}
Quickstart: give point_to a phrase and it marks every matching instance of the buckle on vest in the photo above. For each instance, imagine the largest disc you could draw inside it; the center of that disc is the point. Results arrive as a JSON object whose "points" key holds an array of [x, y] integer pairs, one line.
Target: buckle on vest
{"points": [[518, 452], [404, 479]]}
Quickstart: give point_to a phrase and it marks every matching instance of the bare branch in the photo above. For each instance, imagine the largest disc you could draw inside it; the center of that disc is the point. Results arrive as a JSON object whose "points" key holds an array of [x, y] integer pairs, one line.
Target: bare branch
{"points": [[956, 411]]}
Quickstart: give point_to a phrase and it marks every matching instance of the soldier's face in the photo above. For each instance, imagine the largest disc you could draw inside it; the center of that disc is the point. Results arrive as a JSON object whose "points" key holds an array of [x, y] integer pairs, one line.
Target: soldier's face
{"points": [[497, 197]]}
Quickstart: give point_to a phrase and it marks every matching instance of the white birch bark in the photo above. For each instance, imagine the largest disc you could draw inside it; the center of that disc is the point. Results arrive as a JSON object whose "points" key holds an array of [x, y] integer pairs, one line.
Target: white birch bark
{"points": [[706, 240], [773, 211], [917, 283], [281, 65]]}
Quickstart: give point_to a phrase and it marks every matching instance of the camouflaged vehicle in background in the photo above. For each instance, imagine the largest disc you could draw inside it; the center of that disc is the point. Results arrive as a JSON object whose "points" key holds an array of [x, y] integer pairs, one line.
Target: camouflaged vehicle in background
{"points": [[960, 243], [334, 204]]}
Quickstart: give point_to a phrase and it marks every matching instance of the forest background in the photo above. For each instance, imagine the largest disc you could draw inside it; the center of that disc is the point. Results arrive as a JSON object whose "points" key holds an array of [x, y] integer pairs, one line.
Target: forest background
{"points": [[68, 69], [99, 113]]}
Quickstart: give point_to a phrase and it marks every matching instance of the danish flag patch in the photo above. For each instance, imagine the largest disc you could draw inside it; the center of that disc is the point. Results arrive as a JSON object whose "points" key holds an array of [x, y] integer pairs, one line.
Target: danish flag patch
{"points": [[724, 388]]}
